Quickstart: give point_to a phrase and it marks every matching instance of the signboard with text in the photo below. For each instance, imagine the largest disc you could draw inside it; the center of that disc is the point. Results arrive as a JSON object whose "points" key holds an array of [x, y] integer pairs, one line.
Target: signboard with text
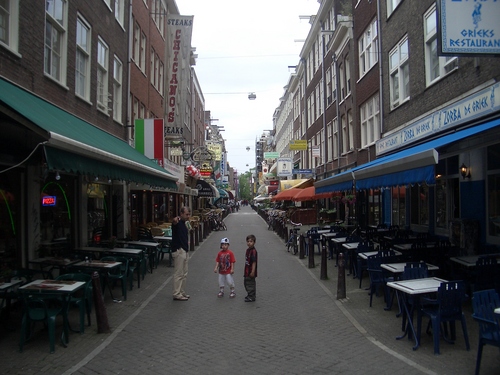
{"points": [[469, 27]]}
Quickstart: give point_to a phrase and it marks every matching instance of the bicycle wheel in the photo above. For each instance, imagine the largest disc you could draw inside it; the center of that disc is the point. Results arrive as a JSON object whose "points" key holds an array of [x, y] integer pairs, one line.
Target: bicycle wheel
{"points": [[295, 246], [223, 226]]}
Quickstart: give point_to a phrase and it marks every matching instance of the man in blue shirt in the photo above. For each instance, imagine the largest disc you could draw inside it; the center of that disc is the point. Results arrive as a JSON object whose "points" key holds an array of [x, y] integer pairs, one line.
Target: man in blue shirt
{"points": [[180, 248]]}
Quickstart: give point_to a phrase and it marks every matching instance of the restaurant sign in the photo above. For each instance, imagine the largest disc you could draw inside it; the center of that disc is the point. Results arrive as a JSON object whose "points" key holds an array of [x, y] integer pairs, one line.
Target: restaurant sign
{"points": [[469, 27], [462, 111]]}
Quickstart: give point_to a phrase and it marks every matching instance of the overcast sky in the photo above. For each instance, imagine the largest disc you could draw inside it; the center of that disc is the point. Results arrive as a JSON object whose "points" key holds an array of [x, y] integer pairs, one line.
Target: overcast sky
{"points": [[243, 47]]}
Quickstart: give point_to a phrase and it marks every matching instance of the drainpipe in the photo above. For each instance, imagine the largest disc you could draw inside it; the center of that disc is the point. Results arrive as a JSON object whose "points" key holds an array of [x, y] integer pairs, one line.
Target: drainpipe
{"points": [[380, 70], [129, 62]]}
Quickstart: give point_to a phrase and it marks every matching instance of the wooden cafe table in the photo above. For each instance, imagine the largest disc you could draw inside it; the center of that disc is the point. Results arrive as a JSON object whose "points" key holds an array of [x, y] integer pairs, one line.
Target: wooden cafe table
{"points": [[415, 288]]}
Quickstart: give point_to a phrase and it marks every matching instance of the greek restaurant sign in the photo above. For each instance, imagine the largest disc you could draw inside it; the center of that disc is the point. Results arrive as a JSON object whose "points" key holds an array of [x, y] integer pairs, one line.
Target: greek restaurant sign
{"points": [[469, 27], [479, 104]]}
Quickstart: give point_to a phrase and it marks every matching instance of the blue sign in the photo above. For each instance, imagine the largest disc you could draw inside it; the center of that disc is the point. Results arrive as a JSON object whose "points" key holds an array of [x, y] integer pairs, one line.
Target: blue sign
{"points": [[302, 171]]}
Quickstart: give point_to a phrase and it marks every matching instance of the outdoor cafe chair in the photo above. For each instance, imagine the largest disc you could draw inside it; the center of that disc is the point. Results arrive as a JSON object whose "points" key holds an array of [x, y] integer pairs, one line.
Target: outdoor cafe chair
{"points": [[81, 298], [484, 303], [378, 278], [121, 273], [38, 309], [363, 247], [487, 273], [446, 308]]}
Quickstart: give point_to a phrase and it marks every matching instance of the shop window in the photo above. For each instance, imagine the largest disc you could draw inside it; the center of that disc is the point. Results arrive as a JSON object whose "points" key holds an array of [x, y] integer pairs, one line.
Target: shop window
{"points": [[493, 195], [374, 207], [97, 212], [398, 206], [420, 205], [56, 213], [8, 224]]}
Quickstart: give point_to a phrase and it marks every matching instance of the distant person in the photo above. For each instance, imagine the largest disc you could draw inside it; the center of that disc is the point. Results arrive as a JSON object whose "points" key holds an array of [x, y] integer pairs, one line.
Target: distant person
{"points": [[224, 264], [250, 269], [180, 248]]}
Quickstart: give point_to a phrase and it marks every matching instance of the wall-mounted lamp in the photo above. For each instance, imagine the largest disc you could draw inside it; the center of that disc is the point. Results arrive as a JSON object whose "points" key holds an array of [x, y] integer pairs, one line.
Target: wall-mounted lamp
{"points": [[252, 96], [58, 176], [464, 171], [248, 148]]}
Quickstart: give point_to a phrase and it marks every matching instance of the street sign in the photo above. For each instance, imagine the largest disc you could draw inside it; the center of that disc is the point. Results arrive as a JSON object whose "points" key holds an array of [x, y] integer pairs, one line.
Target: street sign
{"points": [[271, 155], [302, 171]]}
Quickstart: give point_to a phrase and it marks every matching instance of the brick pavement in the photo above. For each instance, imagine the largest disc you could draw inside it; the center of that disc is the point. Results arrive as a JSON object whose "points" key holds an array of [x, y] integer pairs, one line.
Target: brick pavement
{"points": [[296, 326]]}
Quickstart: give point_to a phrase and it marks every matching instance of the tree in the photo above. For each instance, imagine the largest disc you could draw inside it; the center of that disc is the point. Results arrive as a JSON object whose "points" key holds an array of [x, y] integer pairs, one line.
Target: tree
{"points": [[245, 186]]}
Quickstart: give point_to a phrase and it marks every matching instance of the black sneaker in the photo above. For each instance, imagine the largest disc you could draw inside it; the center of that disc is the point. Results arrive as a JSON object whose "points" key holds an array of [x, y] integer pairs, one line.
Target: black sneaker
{"points": [[248, 299]]}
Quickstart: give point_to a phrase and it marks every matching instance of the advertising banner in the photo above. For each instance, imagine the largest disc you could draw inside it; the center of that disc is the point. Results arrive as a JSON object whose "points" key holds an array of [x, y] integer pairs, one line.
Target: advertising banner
{"points": [[179, 32], [298, 145]]}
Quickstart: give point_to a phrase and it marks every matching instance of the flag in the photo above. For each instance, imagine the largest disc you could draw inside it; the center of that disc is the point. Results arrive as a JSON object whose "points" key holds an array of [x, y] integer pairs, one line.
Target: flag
{"points": [[149, 138]]}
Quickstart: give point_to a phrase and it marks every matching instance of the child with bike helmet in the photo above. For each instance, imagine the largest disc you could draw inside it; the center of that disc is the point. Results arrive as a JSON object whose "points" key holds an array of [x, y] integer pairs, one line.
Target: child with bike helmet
{"points": [[224, 265]]}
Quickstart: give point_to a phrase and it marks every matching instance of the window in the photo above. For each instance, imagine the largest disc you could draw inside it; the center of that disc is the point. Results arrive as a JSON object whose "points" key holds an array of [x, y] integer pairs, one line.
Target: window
{"points": [[342, 83], [420, 205], [350, 123], [335, 149], [493, 193], [136, 43], [102, 75], [391, 5], [9, 24], [119, 11], [82, 68], [398, 195], [334, 81], [117, 89], [55, 39], [368, 48], [345, 135], [370, 120], [158, 12], [142, 57], [399, 73], [347, 76], [447, 191], [435, 67], [329, 131]]}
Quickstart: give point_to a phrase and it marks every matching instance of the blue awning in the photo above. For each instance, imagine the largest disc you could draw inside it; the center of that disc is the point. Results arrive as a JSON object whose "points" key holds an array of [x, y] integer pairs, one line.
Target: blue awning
{"points": [[223, 193], [393, 170]]}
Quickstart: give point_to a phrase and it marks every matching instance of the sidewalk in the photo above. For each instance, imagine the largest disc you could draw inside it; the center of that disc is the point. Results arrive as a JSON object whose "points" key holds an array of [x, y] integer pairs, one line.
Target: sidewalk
{"points": [[296, 326]]}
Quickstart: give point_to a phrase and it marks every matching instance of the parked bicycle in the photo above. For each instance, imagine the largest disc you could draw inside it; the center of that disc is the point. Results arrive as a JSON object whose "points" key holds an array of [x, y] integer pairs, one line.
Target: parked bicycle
{"points": [[293, 241], [216, 221]]}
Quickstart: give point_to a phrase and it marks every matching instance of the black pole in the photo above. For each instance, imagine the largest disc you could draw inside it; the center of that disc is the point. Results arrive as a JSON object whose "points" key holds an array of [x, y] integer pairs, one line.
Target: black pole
{"points": [[101, 314], [341, 292], [311, 253], [323, 273]]}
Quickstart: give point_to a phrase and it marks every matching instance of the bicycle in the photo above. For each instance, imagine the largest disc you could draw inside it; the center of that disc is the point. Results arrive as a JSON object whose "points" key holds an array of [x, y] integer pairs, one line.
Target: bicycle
{"points": [[293, 241]]}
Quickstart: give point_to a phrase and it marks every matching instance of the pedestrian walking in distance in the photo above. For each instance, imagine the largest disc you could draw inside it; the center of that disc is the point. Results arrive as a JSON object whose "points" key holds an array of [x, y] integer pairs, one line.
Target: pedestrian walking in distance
{"points": [[224, 265], [180, 248], [250, 269]]}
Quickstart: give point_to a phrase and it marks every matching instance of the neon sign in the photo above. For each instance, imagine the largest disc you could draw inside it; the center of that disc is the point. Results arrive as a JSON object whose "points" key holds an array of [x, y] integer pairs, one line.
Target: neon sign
{"points": [[49, 200]]}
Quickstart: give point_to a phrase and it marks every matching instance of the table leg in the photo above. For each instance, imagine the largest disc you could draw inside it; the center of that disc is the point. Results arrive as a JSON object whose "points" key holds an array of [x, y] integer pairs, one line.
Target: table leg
{"points": [[409, 324]]}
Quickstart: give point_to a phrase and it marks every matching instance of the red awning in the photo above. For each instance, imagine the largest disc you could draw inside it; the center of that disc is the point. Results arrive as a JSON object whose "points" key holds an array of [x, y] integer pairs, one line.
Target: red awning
{"points": [[286, 195], [309, 194]]}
